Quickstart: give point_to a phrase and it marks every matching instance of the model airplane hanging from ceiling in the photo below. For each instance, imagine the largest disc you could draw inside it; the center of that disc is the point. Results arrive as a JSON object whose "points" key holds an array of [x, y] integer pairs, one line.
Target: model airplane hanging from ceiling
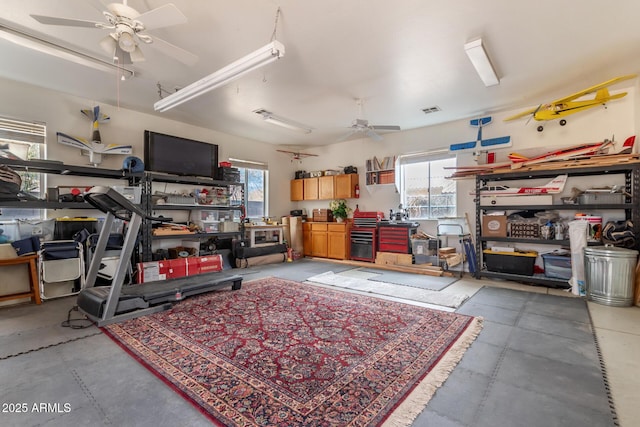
{"points": [[503, 141], [297, 155], [94, 148], [568, 105]]}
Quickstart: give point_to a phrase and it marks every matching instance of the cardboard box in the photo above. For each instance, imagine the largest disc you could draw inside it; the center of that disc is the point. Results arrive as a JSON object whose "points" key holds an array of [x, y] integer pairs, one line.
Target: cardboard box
{"points": [[177, 268], [152, 271], [193, 265], [392, 258], [210, 264], [494, 226]]}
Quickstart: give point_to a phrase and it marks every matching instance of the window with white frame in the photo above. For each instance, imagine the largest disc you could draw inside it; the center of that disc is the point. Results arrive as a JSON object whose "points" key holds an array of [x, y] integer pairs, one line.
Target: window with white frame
{"points": [[255, 177], [425, 191], [22, 140]]}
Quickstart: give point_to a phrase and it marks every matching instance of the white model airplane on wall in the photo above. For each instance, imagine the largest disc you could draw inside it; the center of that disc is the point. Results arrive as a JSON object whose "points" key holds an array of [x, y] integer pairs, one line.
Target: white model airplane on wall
{"points": [[94, 148], [556, 185]]}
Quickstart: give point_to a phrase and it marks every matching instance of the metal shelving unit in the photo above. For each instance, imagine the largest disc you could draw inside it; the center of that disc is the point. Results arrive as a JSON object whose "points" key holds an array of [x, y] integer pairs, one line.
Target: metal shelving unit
{"points": [[631, 208], [147, 237]]}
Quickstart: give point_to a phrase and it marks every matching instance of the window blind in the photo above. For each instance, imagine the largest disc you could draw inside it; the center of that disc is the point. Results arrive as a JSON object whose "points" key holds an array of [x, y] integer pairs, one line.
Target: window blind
{"points": [[20, 131], [248, 164]]}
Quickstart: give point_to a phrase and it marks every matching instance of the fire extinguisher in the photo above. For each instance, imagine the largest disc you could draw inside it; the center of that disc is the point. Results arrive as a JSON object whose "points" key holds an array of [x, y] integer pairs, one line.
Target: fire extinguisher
{"points": [[357, 191]]}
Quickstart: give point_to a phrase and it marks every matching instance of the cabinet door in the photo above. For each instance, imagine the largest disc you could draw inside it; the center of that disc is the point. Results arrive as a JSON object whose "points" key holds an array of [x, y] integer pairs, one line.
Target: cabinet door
{"points": [[345, 186], [306, 240], [325, 187], [310, 191], [337, 247], [297, 189], [319, 244]]}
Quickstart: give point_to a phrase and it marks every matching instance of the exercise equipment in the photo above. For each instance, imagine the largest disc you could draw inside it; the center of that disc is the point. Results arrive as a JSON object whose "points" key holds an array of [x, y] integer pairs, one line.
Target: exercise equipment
{"points": [[110, 304]]}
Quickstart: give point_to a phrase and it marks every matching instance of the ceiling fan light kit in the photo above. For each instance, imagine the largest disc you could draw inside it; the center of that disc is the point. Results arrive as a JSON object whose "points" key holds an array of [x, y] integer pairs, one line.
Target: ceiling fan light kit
{"points": [[259, 58], [274, 119], [481, 62], [34, 43]]}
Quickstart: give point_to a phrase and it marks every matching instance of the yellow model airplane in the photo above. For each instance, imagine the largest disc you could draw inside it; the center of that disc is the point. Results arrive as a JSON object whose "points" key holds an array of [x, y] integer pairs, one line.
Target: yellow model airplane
{"points": [[568, 105]]}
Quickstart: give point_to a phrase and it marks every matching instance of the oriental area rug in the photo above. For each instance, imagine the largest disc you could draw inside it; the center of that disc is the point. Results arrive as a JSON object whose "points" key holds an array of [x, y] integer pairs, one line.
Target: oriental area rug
{"points": [[279, 352]]}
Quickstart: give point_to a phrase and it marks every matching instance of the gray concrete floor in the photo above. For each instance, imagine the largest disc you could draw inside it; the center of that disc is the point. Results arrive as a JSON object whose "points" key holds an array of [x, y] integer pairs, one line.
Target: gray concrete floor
{"points": [[535, 363]]}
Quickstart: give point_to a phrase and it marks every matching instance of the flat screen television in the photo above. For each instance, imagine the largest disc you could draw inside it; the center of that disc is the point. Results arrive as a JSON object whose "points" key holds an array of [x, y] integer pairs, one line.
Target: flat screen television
{"points": [[180, 156]]}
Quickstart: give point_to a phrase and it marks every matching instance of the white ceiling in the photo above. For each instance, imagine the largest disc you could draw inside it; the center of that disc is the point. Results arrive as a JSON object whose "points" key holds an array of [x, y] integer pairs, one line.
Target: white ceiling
{"points": [[399, 57]]}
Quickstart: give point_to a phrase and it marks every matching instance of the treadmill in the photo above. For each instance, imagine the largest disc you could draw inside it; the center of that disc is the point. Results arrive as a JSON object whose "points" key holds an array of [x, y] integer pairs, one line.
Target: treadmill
{"points": [[110, 304]]}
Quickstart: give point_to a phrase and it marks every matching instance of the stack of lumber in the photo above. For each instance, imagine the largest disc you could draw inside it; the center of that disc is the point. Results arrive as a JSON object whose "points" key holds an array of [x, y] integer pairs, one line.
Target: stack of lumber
{"points": [[450, 255], [593, 161]]}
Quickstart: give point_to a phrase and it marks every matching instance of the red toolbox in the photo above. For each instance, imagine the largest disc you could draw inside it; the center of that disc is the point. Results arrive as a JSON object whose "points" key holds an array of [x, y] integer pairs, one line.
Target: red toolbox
{"points": [[396, 236]]}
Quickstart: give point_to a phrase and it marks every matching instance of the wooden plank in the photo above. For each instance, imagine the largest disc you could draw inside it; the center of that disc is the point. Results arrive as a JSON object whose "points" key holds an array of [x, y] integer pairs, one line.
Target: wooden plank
{"points": [[427, 271]]}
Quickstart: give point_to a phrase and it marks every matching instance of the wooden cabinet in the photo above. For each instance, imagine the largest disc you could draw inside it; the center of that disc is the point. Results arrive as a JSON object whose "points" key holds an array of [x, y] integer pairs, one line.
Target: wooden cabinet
{"points": [[337, 241], [325, 187], [297, 190], [306, 238], [319, 239], [345, 186], [310, 189], [326, 239]]}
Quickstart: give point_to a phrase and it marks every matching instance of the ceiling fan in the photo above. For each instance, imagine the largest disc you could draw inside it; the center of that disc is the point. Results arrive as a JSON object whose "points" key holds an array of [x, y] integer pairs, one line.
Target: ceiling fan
{"points": [[297, 155], [128, 30], [362, 126]]}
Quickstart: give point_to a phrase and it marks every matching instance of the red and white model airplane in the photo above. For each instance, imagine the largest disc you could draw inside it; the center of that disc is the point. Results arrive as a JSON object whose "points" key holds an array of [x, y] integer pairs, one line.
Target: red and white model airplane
{"points": [[576, 151], [556, 185]]}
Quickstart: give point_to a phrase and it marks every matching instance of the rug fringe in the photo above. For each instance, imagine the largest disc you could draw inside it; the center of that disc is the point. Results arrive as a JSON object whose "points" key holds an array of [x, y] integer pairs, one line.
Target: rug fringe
{"points": [[415, 403]]}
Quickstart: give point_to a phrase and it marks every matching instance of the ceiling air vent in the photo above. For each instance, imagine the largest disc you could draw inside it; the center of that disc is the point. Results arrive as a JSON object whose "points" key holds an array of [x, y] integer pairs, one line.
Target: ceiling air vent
{"points": [[430, 110]]}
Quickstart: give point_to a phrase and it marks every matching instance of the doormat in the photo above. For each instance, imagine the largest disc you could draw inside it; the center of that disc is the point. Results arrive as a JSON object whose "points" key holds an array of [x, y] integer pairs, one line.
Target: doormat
{"points": [[279, 352], [374, 286]]}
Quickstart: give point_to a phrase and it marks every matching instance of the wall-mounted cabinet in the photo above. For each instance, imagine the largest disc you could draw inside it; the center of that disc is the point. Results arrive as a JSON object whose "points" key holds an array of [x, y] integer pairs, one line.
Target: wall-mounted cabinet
{"points": [[325, 187], [297, 190], [310, 191]]}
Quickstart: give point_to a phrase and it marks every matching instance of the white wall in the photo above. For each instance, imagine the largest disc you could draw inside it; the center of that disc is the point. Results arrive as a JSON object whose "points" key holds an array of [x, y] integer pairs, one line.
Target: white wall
{"points": [[619, 118], [62, 113]]}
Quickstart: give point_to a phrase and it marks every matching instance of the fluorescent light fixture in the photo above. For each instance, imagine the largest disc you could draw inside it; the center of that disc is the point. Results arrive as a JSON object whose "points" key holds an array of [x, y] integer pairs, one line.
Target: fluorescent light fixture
{"points": [[480, 60], [269, 117], [242, 66], [40, 45]]}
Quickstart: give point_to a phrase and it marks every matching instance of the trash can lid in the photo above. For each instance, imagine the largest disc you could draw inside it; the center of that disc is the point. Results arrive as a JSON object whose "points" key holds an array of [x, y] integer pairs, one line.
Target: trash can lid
{"points": [[610, 250]]}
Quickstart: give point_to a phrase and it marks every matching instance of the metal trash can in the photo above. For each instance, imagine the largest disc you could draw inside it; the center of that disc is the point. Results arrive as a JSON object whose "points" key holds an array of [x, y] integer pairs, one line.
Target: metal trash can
{"points": [[609, 274]]}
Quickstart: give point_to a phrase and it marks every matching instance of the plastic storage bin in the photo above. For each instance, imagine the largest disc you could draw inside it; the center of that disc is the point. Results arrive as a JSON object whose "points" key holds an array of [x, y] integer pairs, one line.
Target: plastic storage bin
{"points": [[510, 262], [557, 266], [36, 228]]}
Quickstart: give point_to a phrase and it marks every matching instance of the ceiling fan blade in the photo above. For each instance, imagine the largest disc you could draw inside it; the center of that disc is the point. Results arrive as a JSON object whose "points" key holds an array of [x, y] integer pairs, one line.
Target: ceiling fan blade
{"points": [[383, 127], [136, 55], [163, 16], [124, 58], [108, 44], [346, 136], [173, 51], [371, 134], [51, 20]]}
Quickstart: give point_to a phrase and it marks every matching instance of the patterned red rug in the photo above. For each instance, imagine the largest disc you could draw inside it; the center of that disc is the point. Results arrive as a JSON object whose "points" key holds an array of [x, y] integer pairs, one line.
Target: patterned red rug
{"points": [[278, 352]]}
